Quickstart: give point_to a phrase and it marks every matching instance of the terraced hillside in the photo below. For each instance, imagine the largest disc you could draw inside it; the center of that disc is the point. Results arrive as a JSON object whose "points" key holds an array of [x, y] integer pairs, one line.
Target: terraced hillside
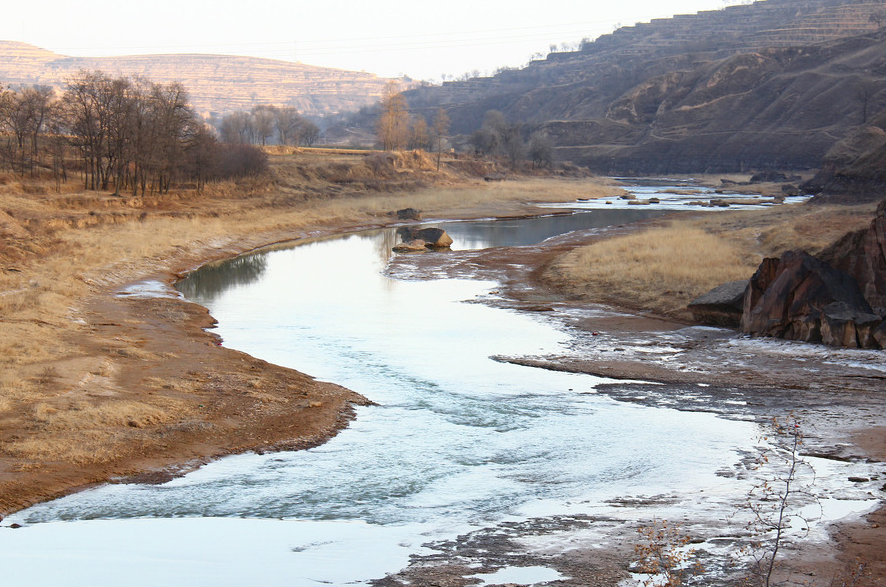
{"points": [[217, 83], [770, 84]]}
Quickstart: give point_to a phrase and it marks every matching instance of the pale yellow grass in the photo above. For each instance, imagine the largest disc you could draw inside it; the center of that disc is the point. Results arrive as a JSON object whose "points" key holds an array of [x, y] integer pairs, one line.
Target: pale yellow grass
{"points": [[658, 270], [109, 413], [83, 448]]}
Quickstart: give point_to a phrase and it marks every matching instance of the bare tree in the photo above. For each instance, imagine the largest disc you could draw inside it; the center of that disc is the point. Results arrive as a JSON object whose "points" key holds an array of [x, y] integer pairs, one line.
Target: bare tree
{"points": [[236, 128], [175, 122], [393, 123], [440, 130], [541, 149], [86, 106], [288, 124], [263, 121], [310, 132], [418, 136]]}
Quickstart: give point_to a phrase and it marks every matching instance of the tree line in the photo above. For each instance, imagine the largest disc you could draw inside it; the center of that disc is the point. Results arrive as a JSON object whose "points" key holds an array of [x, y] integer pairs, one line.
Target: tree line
{"points": [[397, 129], [268, 124], [499, 138], [125, 133]]}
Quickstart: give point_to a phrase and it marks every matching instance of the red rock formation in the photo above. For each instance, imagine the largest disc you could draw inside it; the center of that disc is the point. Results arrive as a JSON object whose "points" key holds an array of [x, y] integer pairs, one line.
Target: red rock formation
{"points": [[799, 297], [862, 254]]}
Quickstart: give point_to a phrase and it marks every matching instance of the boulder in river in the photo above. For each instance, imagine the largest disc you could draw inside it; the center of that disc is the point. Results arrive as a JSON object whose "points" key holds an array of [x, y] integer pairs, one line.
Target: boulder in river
{"points": [[722, 306], [435, 238], [421, 239]]}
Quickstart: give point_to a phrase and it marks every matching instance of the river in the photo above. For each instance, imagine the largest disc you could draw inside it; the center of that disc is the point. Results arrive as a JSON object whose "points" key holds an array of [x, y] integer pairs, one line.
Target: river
{"points": [[456, 442]]}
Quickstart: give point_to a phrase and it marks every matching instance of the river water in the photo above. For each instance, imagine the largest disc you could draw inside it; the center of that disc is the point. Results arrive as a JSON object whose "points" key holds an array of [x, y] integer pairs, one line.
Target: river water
{"points": [[456, 442]]}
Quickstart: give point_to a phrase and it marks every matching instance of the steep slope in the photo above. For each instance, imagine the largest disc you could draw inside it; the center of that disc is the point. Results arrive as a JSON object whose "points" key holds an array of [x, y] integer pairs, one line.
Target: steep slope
{"points": [[772, 84], [217, 83]]}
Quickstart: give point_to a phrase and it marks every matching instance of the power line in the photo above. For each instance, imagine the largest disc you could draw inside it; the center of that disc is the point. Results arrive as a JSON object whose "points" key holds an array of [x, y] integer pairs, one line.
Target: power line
{"points": [[380, 43]]}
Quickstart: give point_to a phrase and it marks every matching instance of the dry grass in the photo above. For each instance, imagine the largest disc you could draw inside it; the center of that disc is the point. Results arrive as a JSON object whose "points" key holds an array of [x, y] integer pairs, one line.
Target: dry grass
{"points": [[85, 433], [658, 270], [84, 448]]}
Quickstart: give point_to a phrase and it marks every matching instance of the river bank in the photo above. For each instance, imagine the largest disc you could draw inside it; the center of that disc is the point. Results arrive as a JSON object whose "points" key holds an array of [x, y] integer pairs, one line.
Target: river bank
{"points": [[98, 386], [179, 396]]}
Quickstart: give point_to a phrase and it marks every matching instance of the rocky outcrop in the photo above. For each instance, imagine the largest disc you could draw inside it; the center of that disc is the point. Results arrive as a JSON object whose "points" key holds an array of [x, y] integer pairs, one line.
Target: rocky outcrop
{"points": [[854, 169], [800, 297], [862, 254], [722, 306]]}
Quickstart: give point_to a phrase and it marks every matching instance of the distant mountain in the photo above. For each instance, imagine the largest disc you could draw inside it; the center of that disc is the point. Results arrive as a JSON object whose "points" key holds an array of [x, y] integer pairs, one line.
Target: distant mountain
{"points": [[216, 83], [773, 84]]}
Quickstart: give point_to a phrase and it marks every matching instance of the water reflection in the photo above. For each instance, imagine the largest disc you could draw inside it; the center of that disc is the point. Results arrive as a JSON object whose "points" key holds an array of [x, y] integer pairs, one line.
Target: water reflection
{"points": [[529, 231], [213, 279]]}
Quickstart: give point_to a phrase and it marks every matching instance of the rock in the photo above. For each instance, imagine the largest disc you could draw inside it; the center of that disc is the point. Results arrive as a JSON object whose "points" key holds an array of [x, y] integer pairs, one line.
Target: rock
{"points": [[654, 201], [879, 335], [799, 297], [722, 306], [842, 325], [409, 214], [768, 176], [790, 190], [412, 246], [862, 254], [433, 237]]}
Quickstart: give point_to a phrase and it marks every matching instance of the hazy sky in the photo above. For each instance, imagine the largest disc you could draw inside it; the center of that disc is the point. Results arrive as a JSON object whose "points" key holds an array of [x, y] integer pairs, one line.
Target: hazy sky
{"points": [[420, 38]]}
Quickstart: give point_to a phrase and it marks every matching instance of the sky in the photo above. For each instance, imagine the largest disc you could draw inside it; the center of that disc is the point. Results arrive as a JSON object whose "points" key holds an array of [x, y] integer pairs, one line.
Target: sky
{"points": [[422, 39]]}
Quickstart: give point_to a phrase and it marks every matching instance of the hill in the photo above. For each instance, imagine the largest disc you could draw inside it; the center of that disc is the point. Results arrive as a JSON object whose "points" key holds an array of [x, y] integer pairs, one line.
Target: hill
{"points": [[217, 84], [773, 84]]}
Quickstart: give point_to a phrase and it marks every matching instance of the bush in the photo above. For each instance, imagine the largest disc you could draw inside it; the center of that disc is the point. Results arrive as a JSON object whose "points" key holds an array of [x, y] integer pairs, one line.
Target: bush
{"points": [[240, 160]]}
